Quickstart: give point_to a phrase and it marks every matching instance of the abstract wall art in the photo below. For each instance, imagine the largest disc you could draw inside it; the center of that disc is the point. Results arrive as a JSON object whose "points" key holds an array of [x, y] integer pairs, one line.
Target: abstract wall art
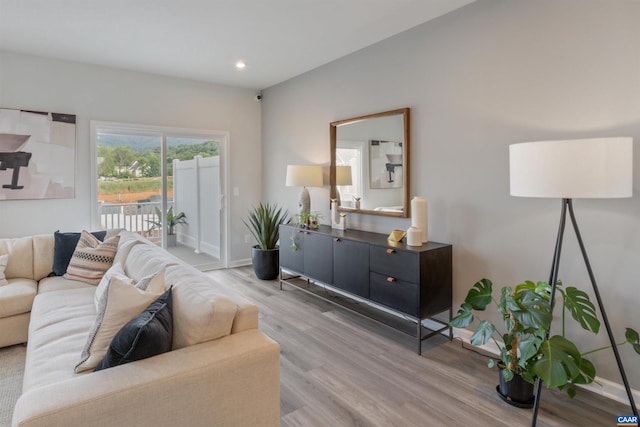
{"points": [[37, 155]]}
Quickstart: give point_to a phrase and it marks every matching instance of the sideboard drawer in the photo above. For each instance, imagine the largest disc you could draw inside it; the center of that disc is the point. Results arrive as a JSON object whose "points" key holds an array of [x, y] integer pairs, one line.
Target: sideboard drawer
{"points": [[388, 261], [394, 293]]}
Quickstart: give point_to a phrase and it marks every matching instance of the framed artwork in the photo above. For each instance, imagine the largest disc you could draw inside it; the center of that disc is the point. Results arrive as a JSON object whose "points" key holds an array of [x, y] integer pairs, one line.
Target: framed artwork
{"points": [[37, 155], [385, 164]]}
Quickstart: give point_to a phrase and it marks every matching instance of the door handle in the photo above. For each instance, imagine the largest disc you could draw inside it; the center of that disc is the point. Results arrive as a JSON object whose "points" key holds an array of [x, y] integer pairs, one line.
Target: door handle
{"points": [[390, 251]]}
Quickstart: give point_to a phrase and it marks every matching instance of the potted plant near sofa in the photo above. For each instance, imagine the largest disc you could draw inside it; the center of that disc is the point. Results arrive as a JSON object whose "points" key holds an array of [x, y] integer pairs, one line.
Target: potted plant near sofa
{"points": [[264, 224], [525, 351], [172, 221]]}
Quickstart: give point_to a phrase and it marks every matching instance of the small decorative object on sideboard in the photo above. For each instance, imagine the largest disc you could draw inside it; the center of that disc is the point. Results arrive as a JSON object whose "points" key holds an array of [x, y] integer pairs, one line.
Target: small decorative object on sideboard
{"points": [[338, 220], [414, 236], [356, 202], [419, 218]]}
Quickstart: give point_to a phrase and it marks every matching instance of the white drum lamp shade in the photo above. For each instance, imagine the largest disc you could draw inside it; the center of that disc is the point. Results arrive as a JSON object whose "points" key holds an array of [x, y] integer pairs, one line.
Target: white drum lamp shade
{"points": [[575, 168], [304, 176]]}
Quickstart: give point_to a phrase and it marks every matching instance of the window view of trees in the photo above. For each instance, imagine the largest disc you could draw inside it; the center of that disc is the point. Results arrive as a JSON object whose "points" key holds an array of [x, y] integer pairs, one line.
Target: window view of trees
{"points": [[129, 168], [122, 161]]}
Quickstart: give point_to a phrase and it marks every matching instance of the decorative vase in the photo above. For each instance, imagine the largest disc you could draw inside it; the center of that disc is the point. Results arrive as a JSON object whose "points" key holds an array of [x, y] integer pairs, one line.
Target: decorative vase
{"points": [[266, 262], [419, 216], [516, 392]]}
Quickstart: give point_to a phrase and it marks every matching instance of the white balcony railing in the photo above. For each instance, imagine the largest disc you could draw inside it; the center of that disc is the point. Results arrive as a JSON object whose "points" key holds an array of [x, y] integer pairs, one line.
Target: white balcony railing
{"points": [[135, 217]]}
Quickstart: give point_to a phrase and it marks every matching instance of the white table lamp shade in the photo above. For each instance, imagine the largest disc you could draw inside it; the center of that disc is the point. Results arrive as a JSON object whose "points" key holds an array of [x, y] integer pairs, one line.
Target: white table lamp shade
{"points": [[343, 175], [304, 176], [577, 168]]}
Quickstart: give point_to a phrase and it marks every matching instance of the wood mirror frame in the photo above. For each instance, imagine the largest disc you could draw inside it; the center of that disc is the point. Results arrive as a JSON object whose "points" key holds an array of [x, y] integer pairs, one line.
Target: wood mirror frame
{"points": [[366, 178]]}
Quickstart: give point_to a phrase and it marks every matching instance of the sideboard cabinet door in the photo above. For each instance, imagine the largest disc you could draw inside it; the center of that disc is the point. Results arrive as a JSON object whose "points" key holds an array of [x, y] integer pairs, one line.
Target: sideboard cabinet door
{"points": [[351, 266], [291, 249], [318, 258]]}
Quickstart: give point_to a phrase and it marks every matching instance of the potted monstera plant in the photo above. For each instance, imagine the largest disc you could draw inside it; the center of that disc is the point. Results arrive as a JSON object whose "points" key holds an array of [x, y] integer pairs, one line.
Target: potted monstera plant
{"points": [[525, 350], [264, 224]]}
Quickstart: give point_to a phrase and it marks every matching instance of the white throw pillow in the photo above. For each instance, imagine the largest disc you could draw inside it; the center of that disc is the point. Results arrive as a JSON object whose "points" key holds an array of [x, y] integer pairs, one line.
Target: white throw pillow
{"points": [[120, 303], [117, 271], [153, 282], [4, 260]]}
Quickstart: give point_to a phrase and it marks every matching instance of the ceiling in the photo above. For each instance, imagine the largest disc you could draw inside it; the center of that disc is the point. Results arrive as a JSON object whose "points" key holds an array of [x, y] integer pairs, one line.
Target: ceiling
{"points": [[203, 39]]}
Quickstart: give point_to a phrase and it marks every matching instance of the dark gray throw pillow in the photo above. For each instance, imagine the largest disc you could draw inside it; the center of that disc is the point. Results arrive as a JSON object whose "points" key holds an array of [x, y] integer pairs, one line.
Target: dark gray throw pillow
{"points": [[148, 334], [64, 244]]}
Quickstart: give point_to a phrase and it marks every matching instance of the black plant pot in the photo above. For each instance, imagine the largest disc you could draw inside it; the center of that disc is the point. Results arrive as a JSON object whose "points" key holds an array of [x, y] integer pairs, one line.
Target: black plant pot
{"points": [[516, 392], [266, 262]]}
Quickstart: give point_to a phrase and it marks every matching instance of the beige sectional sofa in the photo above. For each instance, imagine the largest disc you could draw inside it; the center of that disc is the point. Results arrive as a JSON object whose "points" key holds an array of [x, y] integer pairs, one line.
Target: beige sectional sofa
{"points": [[223, 372]]}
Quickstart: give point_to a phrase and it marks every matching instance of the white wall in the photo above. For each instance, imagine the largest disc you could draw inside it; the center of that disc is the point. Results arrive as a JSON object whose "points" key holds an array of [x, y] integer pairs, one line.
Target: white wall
{"points": [[105, 94], [478, 79]]}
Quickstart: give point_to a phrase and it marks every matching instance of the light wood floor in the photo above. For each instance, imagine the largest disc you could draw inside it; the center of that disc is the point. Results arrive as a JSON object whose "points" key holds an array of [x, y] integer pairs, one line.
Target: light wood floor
{"points": [[340, 369]]}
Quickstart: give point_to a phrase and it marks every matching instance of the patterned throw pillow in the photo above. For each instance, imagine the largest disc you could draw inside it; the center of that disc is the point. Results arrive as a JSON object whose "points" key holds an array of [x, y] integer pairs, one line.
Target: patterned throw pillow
{"points": [[4, 259], [92, 258]]}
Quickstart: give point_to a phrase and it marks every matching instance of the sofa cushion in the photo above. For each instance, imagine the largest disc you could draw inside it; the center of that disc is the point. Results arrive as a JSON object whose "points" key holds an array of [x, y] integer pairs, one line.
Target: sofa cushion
{"points": [[147, 259], [4, 259], [59, 283], [20, 264], [43, 245], [91, 258], [60, 323], [200, 313], [16, 297], [120, 303], [146, 335], [64, 246]]}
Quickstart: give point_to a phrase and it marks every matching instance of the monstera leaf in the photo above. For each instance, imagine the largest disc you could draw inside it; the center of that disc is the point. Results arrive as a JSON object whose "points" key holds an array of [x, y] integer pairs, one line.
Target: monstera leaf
{"points": [[633, 338], [479, 296], [534, 310], [463, 318], [581, 308], [483, 333], [561, 363]]}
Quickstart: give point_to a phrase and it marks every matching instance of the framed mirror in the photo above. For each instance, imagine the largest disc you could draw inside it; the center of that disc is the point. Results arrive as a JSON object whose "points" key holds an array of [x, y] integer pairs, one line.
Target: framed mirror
{"points": [[370, 163]]}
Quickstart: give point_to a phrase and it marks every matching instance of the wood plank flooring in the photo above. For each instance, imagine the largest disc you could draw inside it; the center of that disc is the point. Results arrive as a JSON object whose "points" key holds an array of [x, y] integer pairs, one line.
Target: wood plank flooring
{"points": [[341, 369]]}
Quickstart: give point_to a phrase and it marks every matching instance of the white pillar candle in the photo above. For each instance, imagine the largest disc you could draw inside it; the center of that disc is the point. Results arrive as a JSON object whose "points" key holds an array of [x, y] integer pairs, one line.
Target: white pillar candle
{"points": [[414, 236], [419, 217]]}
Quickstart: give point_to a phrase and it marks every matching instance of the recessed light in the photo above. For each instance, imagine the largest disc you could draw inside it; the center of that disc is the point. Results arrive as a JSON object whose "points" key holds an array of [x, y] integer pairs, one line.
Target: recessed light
{"points": [[240, 65]]}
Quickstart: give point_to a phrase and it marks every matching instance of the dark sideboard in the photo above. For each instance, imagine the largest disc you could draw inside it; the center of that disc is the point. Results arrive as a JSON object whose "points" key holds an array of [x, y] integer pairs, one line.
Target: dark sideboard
{"points": [[390, 282]]}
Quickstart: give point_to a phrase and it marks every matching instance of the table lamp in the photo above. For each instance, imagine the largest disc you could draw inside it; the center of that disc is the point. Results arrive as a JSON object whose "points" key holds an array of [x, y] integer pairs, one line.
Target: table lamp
{"points": [[304, 176]]}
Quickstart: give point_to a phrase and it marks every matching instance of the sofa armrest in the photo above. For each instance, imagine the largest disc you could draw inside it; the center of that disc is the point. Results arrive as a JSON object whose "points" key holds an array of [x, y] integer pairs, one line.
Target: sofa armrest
{"points": [[231, 381]]}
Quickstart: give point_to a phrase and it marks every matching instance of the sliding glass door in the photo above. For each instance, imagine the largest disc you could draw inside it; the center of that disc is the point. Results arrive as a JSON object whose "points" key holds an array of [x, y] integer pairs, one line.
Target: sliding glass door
{"points": [[166, 185]]}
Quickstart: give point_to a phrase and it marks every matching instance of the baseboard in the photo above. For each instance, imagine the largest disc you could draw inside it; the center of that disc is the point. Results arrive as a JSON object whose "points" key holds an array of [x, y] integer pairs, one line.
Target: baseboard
{"points": [[240, 263], [601, 386]]}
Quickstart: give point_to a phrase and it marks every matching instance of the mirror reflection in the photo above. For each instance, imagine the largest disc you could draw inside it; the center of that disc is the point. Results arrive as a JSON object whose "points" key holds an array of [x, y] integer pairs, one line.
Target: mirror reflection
{"points": [[369, 168]]}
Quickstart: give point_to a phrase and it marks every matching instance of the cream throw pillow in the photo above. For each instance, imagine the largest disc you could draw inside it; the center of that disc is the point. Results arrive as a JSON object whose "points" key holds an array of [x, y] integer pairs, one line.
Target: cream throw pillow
{"points": [[155, 281], [4, 260], [92, 258], [120, 303]]}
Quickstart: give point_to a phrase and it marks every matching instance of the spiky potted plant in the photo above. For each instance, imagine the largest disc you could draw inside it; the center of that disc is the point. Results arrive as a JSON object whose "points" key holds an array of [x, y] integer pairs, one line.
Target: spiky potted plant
{"points": [[264, 224]]}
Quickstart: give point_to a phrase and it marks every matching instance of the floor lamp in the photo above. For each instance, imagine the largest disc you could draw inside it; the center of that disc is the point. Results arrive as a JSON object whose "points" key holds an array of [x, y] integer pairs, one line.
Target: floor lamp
{"points": [[569, 169]]}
